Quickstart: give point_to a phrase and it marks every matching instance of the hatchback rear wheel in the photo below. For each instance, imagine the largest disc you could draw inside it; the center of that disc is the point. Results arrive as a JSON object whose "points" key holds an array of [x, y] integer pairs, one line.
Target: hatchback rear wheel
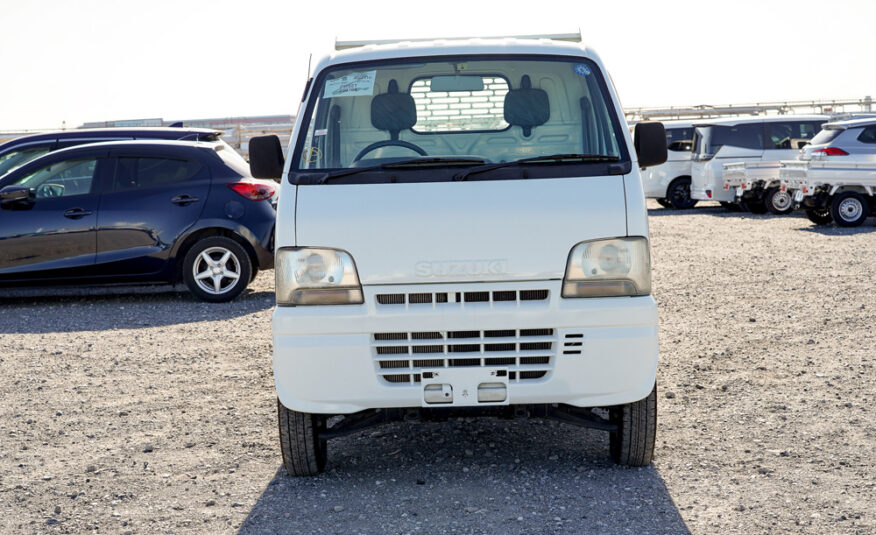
{"points": [[217, 269]]}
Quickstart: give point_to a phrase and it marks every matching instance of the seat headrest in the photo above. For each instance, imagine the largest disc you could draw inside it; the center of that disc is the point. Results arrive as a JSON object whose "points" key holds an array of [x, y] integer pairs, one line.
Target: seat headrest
{"points": [[393, 111], [526, 107]]}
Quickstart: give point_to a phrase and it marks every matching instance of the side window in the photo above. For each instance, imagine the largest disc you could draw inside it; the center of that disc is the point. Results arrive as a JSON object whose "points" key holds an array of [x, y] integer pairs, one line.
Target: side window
{"points": [[139, 173], [62, 179], [790, 135], [747, 136], [16, 158], [868, 135], [679, 139]]}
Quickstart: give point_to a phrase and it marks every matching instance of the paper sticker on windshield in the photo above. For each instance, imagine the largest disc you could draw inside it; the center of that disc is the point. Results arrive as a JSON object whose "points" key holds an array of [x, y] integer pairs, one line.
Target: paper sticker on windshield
{"points": [[351, 85], [582, 70]]}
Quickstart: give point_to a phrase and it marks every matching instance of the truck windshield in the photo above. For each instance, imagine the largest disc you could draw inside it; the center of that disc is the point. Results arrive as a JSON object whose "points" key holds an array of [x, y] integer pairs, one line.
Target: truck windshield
{"points": [[459, 110]]}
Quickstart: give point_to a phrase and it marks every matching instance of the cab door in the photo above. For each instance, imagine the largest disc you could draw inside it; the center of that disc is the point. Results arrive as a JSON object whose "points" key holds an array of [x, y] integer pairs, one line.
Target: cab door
{"points": [[53, 234], [153, 198]]}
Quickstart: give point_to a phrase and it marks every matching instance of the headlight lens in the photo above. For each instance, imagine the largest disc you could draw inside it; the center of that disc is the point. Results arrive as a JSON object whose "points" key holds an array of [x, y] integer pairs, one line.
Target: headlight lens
{"points": [[316, 276], [609, 268]]}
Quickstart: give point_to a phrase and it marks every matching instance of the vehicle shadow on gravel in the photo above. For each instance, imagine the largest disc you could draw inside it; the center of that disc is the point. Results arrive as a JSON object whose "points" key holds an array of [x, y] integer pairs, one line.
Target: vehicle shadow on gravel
{"points": [[48, 310], [833, 230], [469, 476], [721, 212]]}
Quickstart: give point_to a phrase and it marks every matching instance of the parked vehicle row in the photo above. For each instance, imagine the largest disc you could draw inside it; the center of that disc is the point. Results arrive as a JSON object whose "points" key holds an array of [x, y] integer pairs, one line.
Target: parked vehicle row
{"points": [[745, 139], [76, 208]]}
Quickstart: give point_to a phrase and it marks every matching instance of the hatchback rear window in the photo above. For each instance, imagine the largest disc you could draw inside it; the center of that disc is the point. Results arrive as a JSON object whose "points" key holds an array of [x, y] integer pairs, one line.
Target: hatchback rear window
{"points": [[826, 136]]}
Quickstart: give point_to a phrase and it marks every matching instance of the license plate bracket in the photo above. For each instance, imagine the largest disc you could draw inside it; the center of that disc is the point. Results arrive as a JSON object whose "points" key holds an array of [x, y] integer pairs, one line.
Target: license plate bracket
{"points": [[464, 384]]}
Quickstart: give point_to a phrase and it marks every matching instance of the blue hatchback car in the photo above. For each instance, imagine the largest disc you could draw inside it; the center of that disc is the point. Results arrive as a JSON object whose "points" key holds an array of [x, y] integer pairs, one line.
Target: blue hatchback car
{"points": [[21, 150], [137, 211]]}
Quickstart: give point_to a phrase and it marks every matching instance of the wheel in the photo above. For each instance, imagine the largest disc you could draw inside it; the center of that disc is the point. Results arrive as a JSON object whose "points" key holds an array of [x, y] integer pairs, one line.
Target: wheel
{"points": [[849, 208], [731, 206], [389, 143], [216, 269], [754, 206], [633, 442], [664, 203], [678, 194], [304, 453], [819, 216], [778, 202]]}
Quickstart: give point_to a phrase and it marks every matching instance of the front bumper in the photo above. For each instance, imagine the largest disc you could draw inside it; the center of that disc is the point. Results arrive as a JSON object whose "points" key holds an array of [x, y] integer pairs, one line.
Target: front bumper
{"points": [[603, 351]]}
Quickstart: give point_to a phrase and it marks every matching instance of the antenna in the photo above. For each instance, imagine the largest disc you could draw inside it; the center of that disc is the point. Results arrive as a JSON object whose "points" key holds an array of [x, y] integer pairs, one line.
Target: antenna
{"points": [[309, 59]]}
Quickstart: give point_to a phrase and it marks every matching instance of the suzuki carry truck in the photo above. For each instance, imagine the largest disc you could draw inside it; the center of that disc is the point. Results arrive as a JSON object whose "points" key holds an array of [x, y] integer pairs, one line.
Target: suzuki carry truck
{"points": [[462, 232]]}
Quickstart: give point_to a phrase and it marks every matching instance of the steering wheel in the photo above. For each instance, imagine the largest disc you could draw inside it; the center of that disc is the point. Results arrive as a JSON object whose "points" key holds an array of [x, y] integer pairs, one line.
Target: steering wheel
{"points": [[44, 191], [389, 143]]}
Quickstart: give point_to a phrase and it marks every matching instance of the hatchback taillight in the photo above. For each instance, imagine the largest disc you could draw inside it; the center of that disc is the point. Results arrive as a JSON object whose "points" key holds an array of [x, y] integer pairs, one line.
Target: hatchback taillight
{"points": [[831, 151], [252, 191]]}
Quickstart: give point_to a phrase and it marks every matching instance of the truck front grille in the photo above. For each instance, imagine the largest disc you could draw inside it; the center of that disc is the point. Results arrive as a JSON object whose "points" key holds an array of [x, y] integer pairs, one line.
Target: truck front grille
{"points": [[429, 298], [526, 353]]}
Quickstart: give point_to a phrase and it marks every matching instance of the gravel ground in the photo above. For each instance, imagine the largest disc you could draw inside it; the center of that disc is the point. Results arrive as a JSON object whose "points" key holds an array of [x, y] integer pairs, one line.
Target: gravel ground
{"points": [[150, 412]]}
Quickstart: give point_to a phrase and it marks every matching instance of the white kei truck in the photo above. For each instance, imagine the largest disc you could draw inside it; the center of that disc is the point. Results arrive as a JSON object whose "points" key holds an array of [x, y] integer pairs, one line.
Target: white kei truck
{"points": [[757, 186], [462, 231]]}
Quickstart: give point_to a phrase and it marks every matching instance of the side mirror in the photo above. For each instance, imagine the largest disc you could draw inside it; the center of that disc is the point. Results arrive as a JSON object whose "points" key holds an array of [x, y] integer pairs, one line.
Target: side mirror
{"points": [[16, 195], [266, 157], [650, 143]]}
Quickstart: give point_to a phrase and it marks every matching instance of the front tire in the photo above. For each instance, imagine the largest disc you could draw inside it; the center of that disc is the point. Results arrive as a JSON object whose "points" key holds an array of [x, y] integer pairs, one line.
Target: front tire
{"points": [[778, 202], [849, 209], [304, 452], [633, 442], [819, 216], [664, 203], [217, 269], [678, 194]]}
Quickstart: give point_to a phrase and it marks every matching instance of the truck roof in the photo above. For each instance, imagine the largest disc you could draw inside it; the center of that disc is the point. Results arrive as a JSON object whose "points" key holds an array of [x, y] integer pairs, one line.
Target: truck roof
{"points": [[454, 47], [730, 121]]}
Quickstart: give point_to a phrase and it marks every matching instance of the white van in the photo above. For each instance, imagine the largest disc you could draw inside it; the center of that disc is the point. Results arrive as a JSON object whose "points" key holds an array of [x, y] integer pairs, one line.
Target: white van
{"points": [[670, 183], [748, 139], [462, 231]]}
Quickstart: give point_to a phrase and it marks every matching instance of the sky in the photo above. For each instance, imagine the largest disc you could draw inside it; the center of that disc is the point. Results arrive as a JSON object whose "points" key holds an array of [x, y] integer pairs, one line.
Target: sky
{"points": [[65, 62]]}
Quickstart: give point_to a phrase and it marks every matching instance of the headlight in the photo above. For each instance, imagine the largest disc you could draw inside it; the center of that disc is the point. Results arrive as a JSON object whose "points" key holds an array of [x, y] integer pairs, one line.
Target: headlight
{"points": [[311, 276], [608, 268]]}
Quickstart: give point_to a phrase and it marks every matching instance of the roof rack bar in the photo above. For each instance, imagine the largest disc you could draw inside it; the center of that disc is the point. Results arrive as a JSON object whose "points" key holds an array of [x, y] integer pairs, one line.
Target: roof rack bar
{"points": [[572, 37]]}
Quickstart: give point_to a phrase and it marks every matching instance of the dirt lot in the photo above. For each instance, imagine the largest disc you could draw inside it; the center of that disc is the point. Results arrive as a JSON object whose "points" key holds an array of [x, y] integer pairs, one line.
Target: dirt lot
{"points": [[153, 413]]}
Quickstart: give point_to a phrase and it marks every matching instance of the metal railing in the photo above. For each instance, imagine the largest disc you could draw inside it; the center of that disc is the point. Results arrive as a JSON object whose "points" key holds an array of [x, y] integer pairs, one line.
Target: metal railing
{"points": [[792, 107]]}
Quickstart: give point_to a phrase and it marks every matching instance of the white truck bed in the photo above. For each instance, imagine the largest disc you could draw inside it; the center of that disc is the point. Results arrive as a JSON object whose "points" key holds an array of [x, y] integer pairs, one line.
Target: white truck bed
{"points": [[831, 175], [747, 176]]}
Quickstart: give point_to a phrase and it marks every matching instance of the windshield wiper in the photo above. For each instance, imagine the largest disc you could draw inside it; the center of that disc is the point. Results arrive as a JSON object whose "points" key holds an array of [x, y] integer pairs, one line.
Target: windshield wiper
{"points": [[536, 159], [413, 162]]}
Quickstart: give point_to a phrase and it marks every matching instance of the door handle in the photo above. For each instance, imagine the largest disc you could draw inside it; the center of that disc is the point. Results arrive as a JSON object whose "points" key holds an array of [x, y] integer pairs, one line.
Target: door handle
{"points": [[183, 200], [76, 213]]}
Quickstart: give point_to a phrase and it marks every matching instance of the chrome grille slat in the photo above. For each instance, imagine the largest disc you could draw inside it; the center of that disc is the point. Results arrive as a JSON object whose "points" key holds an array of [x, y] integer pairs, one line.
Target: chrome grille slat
{"points": [[526, 353], [461, 341], [468, 298]]}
